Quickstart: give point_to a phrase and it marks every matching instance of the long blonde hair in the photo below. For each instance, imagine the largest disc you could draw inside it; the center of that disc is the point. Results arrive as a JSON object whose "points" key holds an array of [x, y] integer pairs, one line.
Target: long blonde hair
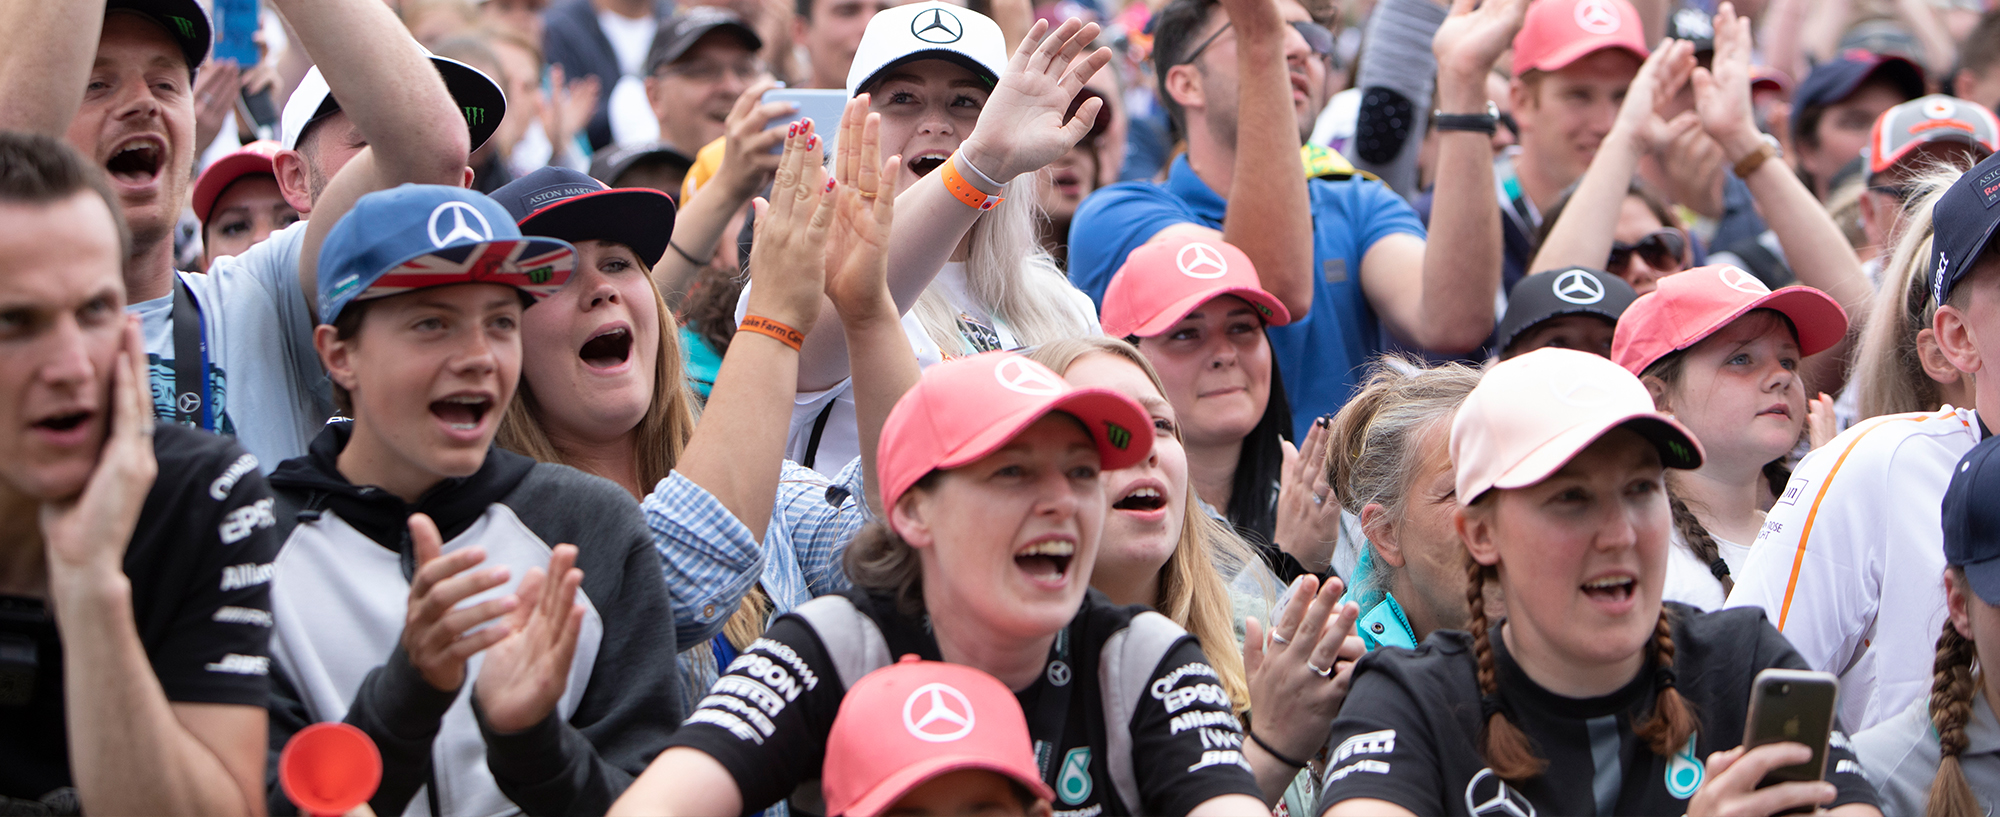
{"points": [[1191, 590], [1011, 274], [1889, 375]]}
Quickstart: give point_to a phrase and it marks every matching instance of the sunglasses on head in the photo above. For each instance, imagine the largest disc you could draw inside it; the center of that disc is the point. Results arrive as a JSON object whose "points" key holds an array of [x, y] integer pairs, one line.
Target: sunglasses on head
{"points": [[1662, 250], [1319, 39]]}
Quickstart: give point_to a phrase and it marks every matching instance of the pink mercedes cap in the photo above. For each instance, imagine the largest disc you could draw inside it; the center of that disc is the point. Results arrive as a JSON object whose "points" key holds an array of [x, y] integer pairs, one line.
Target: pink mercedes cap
{"points": [[906, 723], [1559, 32], [1532, 414], [1161, 282], [966, 408], [1692, 305]]}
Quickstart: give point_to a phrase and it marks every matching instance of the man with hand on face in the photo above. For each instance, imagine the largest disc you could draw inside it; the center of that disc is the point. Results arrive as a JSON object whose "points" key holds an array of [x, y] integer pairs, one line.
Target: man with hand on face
{"points": [[116, 79], [1238, 80], [134, 614]]}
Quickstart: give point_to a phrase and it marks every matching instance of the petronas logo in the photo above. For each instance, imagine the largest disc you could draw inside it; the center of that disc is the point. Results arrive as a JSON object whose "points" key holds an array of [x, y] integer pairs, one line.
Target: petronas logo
{"points": [[1073, 784], [1684, 772]]}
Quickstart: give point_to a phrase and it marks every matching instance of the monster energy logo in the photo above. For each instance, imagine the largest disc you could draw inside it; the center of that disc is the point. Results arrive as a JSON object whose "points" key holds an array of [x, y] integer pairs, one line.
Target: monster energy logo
{"points": [[474, 115], [1120, 438], [185, 25], [540, 275]]}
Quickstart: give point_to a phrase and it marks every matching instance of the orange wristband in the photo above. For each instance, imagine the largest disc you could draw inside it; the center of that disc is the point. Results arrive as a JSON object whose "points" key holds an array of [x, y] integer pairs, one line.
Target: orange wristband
{"points": [[963, 190], [765, 326]]}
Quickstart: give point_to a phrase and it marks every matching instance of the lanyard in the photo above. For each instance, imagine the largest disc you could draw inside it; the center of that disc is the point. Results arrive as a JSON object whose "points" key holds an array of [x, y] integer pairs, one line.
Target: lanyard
{"points": [[1051, 713], [191, 407]]}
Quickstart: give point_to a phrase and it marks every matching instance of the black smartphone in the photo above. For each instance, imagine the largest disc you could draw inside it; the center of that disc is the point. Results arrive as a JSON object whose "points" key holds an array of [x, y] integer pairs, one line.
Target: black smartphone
{"points": [[263, 113], [1789, 705]]}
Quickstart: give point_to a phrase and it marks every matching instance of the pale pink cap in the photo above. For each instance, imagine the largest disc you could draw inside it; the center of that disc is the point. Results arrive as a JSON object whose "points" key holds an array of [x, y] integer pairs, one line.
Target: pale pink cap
{"points": [[1532, 414]]}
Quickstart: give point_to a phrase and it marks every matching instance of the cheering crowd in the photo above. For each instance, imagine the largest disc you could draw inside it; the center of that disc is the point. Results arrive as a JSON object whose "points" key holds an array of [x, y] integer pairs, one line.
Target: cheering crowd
{"points": [[858, 408]]}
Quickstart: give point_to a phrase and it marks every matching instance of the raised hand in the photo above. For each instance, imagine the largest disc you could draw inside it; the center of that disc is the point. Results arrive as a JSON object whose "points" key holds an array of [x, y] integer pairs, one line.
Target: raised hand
{"points": [[1722, 92], [788, 260], [1658, 80], [566, 106], [435, 630], [747, 160], [1021, 127], [857, 250], [215, 91], [1299, 675], [1471, 40], [1308, 514], [86, 535], [524, 675]]}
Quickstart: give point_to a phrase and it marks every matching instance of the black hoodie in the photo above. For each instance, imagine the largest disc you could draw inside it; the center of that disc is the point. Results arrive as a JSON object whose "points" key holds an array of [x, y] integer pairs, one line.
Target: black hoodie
{"points": [[340, 593]]}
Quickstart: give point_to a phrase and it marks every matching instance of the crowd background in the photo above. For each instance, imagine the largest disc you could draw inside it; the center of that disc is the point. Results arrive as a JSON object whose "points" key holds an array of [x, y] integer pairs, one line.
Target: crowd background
{"points": [[1302, 406]]}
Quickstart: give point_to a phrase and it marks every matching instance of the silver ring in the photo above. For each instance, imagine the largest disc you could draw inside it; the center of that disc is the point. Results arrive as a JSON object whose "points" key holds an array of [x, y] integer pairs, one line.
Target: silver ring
{"points": [[1279, 639], [1319, 499], [1323, 673]]}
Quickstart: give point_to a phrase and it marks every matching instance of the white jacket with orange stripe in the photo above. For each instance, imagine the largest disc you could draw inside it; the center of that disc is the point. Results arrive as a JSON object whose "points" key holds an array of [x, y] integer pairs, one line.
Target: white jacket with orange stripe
{"points": [[1850, 563]]}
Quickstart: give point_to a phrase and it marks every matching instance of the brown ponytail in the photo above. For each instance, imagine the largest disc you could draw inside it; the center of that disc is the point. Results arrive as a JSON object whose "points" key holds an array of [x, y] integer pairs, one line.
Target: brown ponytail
{"points": [[1501, 743], [1698, 539], [1672, 721], [1951, 707]]}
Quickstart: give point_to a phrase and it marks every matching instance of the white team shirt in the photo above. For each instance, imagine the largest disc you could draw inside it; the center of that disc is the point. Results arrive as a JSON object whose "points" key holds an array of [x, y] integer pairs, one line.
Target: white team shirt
{"points": [[1850, 562]]}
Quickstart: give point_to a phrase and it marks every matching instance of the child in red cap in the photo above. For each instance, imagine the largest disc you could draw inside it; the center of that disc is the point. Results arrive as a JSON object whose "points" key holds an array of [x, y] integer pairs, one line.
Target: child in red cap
{"points": [[925, 737], [1723, 354]]}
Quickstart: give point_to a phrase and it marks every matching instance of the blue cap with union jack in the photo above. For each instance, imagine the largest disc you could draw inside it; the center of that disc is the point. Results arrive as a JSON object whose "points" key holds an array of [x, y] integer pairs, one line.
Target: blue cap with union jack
{"points": [[421, 235]]}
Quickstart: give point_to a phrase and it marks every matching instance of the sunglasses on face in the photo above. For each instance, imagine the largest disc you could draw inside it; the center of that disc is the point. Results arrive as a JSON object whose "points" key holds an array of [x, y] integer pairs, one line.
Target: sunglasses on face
{"points": [[1318, 38], [1661, 249]]}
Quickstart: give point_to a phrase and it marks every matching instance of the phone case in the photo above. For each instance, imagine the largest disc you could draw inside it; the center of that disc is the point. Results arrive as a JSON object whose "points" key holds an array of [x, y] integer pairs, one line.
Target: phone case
{"points": [[1797, 706]]}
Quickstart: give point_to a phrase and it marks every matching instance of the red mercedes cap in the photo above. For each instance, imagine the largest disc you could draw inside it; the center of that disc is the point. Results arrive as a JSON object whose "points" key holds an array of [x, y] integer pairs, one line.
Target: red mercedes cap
{"points": [[1692, 305], [1559, 32], [906, 723], [966, 408], [250, 159], [1163, 281]]}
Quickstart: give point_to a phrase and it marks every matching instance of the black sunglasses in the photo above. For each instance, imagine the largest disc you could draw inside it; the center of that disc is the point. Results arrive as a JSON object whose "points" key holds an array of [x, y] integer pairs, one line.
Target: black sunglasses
{"points": [[1318, 38], [1662, 250]]}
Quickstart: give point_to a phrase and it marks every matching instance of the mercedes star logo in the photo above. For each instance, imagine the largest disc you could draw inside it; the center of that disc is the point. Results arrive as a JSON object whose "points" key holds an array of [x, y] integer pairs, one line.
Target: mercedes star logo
{"points": [[1579, 287], [1198, 260], [1027, 377], [937, 27], [1742, 281], [461, 229], [941, 704], [1489, 796], [1597, 16]]}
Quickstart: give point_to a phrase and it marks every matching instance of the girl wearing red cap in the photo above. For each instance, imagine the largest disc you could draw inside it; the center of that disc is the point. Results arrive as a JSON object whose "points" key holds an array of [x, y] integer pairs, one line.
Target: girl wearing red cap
{"points": [[1592, 696], [1722, 353]]}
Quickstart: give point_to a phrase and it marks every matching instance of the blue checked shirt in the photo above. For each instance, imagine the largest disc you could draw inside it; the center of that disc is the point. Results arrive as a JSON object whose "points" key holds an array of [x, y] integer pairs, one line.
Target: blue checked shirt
{"points": [[711, 559]]}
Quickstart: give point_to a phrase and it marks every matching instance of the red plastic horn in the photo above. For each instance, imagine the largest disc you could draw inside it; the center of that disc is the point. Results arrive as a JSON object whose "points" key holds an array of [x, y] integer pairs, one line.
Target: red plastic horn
{"points": [[329, 768]]}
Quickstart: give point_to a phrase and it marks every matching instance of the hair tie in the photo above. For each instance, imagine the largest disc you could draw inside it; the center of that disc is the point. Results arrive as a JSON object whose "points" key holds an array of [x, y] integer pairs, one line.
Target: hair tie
{"points": [[1663, 678], [1719, 568], [1491, 704]]}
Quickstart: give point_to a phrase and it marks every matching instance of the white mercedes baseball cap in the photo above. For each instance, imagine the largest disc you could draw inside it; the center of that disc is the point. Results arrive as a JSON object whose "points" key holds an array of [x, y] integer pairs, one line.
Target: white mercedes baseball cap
{"points": [[929, 30]]}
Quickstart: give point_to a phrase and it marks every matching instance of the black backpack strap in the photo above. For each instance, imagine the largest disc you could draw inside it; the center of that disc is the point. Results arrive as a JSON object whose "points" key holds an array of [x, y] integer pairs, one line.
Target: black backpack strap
{"points": [[819, 429]]}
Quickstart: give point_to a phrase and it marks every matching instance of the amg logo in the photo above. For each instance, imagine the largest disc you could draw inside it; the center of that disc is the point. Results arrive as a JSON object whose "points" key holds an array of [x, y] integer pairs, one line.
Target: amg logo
{"points": [[237, 577], [242, 665], [1367, 743]]}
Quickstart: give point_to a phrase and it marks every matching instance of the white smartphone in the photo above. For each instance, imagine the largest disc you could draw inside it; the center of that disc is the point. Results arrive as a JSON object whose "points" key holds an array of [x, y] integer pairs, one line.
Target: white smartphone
{"points": [[823, 105]]}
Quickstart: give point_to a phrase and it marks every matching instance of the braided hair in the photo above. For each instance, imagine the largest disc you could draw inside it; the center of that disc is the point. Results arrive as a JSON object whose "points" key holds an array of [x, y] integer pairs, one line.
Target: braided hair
{"points": [[1951, 706], [1506, 748]]}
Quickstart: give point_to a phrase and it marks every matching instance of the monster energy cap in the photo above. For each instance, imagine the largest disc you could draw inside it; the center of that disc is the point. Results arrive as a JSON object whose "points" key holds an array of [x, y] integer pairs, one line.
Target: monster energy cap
{"points": [[479, 100], [185, 20]]}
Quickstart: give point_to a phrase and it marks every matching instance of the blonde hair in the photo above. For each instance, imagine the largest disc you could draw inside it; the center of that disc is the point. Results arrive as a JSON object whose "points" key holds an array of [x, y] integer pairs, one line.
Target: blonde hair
{"points": [[662, 435], [1889, 375], [1191, 589], [1012, 274]]}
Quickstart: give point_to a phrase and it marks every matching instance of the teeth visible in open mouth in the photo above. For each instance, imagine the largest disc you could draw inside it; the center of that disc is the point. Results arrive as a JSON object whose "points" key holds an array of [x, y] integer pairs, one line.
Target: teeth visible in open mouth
{"points": [[1608, 583], [1051, 548], [137, 160], [923, 165], [609, 349], [462, 413], [1147, 498]]}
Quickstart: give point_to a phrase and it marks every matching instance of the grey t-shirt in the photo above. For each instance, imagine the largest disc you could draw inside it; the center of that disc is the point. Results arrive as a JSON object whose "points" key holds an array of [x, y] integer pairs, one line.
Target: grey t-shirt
{"points": [[265, 385], [1900, 756]]}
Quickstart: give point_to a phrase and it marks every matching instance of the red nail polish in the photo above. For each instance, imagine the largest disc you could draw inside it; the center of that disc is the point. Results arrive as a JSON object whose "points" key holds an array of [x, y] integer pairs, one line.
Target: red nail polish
{"points": [[813, 142], [793, 130], [829, 185]]}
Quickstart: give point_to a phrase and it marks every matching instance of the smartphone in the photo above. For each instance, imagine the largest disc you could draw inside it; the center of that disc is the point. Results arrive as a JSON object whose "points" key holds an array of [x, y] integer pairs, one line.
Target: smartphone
{"points": [[823, 105], [262, 113], [236, 28], [1796, 706]]}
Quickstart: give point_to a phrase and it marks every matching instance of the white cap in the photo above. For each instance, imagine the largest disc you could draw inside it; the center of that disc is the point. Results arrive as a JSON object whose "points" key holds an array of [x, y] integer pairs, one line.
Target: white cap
{"points": [[479, 99], [302, 107], [931, 30]]}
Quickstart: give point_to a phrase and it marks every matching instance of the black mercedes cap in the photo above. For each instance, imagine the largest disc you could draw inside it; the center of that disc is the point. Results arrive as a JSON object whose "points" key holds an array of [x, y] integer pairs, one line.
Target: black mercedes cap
{"points": [[1567, 291]]}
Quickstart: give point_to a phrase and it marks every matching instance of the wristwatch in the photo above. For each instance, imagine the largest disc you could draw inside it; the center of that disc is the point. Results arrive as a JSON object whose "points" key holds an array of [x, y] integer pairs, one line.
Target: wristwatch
{"points": [[1485, 123], [1749, 164]]}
